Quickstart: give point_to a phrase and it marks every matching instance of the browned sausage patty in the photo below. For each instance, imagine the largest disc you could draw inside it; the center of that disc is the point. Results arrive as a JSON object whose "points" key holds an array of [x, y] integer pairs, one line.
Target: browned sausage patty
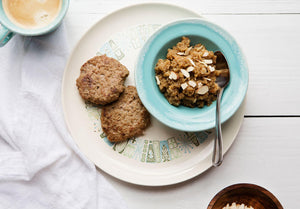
{"points": [[101, 80], [126, 117]]}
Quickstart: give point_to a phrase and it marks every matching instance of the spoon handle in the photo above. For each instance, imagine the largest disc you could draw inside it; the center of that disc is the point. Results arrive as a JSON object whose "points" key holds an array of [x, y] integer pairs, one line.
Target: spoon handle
{"points": [[218, 143]]}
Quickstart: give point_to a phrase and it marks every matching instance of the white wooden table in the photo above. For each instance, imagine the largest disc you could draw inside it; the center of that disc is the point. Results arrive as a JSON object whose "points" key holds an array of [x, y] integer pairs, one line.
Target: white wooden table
{"points": [[267, 149]]}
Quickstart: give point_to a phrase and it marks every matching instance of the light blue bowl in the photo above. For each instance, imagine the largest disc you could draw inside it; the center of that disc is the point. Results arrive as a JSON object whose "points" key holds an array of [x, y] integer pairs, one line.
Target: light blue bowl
{"points": [[214, 38]]}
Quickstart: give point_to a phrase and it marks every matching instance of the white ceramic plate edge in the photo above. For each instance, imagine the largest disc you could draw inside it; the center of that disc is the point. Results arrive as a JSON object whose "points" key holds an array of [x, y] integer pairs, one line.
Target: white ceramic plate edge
{"points": [[201, 167]]}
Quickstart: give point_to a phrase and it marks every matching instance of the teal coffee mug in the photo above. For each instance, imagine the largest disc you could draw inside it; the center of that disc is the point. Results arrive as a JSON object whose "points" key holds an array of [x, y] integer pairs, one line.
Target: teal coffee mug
{"points": [[9, 27]]}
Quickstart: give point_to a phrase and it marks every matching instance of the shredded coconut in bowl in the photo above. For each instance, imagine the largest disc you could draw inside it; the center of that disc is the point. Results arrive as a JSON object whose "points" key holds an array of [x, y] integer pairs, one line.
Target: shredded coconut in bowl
{"points": [[237, 206]]}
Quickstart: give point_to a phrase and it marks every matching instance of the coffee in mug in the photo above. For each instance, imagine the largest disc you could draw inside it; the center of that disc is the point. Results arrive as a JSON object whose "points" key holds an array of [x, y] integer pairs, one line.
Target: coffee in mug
{"points": [[31, 14]]}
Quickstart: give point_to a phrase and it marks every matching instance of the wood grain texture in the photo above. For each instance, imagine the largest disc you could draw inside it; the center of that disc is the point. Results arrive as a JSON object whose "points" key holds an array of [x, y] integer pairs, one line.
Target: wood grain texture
{"points": [[205, 7], [265, 153], [271, 44]]}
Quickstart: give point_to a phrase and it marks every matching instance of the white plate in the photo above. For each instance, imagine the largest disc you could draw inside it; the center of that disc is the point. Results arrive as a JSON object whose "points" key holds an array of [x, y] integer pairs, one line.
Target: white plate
{"points": [[162, 156]]}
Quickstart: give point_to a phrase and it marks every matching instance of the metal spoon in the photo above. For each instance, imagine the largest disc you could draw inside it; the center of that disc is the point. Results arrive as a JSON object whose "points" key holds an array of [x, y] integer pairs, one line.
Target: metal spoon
{"points": [[222, 70]]}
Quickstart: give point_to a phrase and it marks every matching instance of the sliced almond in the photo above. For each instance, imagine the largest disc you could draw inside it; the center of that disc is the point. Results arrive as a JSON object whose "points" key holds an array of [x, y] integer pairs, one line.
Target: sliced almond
{"points": [[173, 76], [192, 62], [184, 85], [157, 80], [180, 53], [185, 73], [208, 79], [212, 69], [208, 61], [202, 90], [205, 54], [199, 48], [192, 84], [203, 63], [187, 52], [199, 84], [190, 68]]}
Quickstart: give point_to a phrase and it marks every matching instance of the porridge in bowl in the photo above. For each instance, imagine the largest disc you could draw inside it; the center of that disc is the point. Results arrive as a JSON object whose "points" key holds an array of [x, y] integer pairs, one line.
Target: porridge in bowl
{"points": [[187, 76]]}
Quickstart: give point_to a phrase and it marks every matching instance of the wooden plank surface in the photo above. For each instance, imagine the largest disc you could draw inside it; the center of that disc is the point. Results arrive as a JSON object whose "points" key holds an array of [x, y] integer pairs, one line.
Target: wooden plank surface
{"points": [[271, 44], [203, 6], [266, 151], [261, 154]]}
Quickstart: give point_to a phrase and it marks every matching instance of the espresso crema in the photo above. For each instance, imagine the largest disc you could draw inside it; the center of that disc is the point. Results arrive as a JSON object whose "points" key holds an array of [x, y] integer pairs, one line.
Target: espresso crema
{"points": [[31, 14]]}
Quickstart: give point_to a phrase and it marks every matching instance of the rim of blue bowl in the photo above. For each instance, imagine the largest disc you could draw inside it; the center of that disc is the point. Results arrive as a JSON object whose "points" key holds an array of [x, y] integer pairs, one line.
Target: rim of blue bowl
{"points": [[154, 100]]}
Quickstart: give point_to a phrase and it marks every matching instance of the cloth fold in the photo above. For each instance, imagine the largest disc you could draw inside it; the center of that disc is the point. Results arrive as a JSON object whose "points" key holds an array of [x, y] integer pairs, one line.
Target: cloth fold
{"points": [[40, 165], [13, 166]]}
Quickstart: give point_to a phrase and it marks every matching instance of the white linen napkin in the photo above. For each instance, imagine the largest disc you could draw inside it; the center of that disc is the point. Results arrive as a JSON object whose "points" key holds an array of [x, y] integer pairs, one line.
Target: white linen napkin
{"points": [[40, 165]]}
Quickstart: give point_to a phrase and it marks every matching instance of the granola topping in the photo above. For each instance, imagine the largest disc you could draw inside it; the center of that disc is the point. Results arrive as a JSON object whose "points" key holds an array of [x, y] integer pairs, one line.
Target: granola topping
{"points": [[187, 76]]}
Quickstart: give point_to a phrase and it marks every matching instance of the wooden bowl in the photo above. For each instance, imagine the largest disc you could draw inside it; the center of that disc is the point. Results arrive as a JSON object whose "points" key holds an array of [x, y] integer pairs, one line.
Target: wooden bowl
{"points": [[249, 194]]}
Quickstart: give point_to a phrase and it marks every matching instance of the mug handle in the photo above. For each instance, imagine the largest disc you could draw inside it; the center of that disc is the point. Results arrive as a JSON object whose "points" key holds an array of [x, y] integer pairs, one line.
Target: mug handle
{"points": [[5, 35]]}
